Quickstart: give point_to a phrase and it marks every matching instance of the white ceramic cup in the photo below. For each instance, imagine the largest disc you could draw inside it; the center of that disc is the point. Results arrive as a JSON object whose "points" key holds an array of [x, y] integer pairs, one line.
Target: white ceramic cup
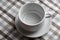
{"points": [[31, 16]]}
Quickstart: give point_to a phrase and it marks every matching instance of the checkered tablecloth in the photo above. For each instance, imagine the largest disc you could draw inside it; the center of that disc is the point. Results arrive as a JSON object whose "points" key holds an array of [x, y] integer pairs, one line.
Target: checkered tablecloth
{"points": [[8, 11]]}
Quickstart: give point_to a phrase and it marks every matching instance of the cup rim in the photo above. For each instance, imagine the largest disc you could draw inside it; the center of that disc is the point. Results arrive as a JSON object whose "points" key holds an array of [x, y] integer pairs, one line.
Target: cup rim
{"points": [[27, 23]]}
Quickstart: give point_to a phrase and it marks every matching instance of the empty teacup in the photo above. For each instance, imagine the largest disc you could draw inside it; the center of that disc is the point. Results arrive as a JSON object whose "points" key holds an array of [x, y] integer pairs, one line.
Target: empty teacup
{"points": [[31, 16]]}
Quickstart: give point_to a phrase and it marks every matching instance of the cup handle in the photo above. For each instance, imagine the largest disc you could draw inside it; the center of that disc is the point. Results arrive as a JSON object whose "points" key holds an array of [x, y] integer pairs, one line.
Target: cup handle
{"points": [[49, 15]]}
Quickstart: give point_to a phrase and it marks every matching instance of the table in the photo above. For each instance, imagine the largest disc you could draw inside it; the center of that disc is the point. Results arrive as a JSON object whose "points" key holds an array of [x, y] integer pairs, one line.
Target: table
{"points": [[9, 10]]}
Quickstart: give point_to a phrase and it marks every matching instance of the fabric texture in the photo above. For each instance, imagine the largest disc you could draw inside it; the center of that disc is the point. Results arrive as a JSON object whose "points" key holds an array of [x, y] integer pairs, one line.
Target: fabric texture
{"points": [[9, 10]]}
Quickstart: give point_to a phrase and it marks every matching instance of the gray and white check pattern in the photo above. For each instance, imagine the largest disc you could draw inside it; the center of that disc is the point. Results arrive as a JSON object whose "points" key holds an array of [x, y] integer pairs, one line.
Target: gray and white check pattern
{"points": [[9, 10]]}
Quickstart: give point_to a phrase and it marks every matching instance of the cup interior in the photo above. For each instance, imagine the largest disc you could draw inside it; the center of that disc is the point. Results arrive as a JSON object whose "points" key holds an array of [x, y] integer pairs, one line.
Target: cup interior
{"points": [[31, 14]]}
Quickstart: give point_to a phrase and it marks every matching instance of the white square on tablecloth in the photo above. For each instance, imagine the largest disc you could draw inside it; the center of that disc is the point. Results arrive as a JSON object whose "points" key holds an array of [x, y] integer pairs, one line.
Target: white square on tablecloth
{"points": [[56, 20]]}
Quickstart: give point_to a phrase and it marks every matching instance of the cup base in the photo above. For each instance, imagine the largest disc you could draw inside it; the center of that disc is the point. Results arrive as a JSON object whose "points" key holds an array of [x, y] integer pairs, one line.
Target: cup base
{"points": [[45, 28]]}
